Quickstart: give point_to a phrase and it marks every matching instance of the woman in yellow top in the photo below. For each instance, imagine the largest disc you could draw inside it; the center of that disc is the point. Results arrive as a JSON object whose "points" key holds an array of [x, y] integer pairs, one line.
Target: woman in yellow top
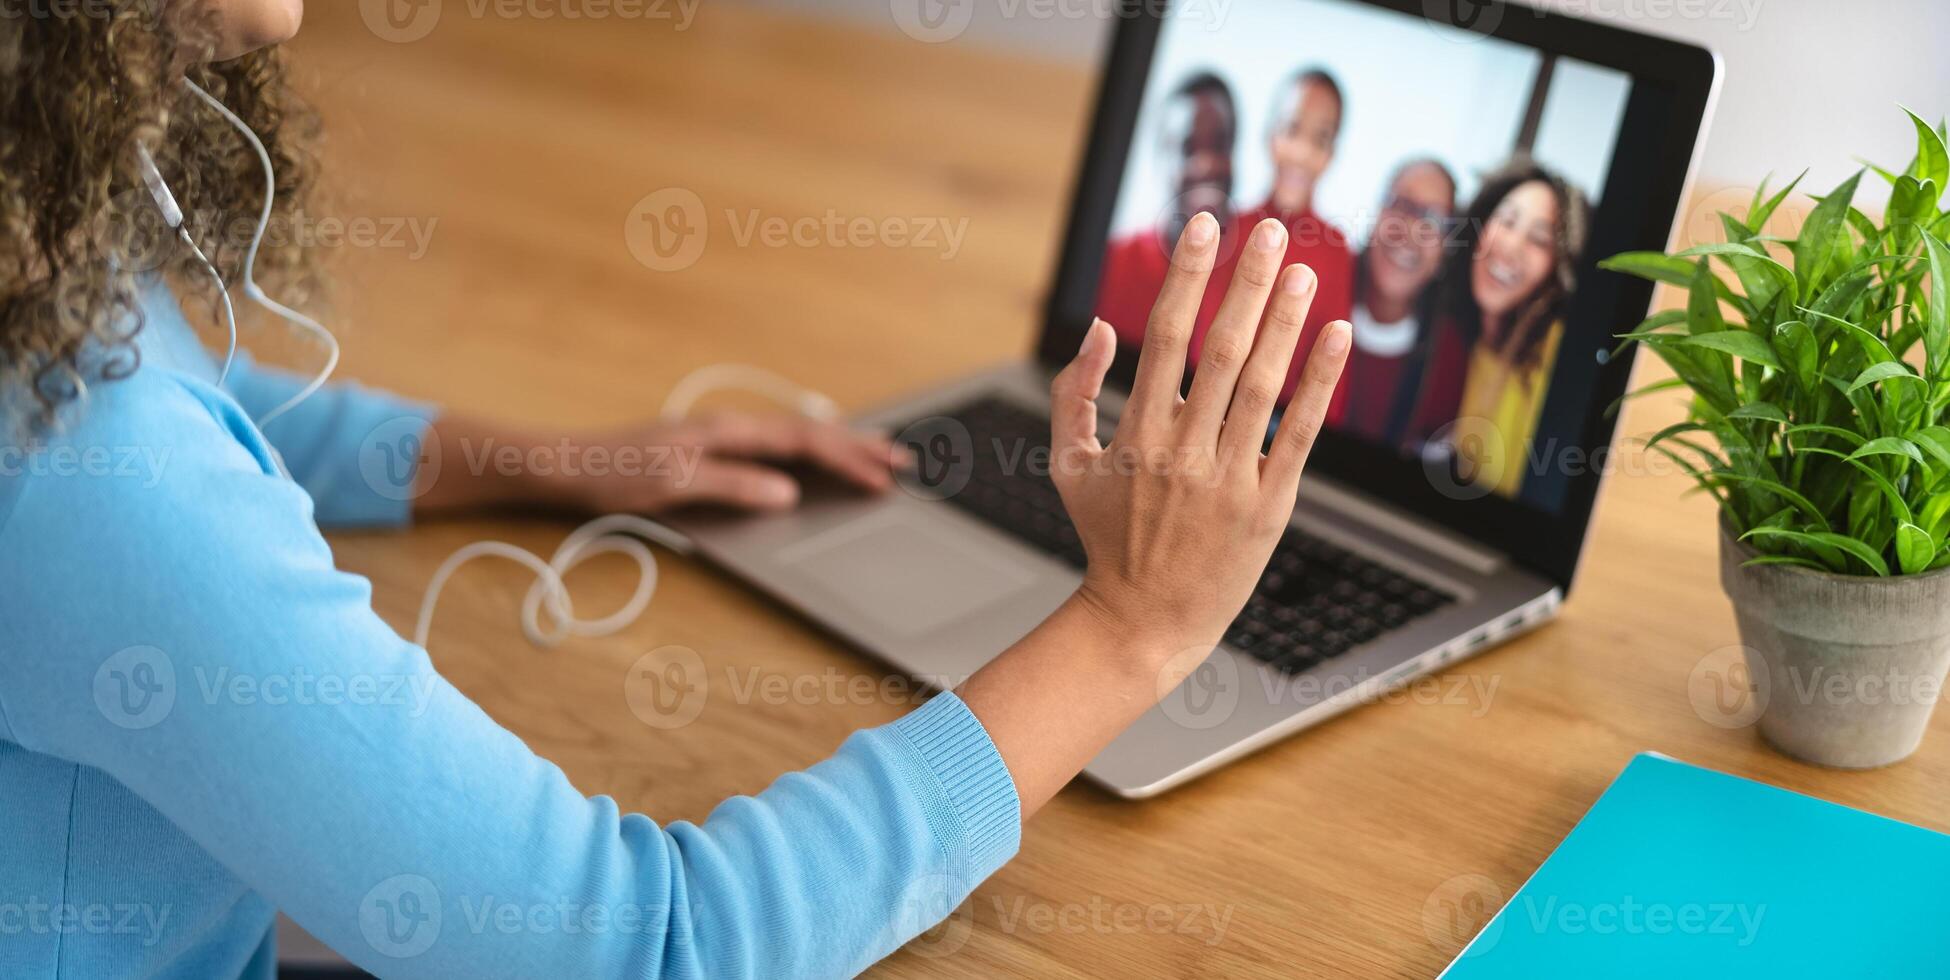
{"points": [[1504, 298]]}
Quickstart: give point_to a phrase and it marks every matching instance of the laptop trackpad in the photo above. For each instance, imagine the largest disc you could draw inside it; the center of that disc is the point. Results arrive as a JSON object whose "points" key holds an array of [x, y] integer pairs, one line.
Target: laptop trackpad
{"points": [[903, 574]]}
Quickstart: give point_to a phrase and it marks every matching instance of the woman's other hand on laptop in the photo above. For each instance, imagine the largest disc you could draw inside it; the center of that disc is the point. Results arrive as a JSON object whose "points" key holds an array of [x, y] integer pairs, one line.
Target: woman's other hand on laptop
{"points": [[729, 460], [1178, 515]]}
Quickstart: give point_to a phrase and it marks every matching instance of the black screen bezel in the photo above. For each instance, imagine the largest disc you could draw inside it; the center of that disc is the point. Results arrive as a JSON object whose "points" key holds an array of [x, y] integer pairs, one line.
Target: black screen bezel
{"points": [[1673, 86]]}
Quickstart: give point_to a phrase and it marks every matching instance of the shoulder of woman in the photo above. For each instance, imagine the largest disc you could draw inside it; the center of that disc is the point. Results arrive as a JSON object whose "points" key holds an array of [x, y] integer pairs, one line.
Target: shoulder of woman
{"points": [[128, 451]]}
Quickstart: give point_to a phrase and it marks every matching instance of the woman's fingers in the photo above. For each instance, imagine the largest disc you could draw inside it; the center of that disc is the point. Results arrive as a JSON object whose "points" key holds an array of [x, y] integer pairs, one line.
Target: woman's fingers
{"points": [[1307, 412], [1073, 394], [1161, 365], [1260, 381], [863, 459], [1230, 340], [731, 483]]}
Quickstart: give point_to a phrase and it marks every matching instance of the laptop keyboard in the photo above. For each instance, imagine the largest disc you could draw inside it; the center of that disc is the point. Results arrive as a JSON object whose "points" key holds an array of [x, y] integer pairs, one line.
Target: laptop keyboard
{"points": [[1315, 602]]}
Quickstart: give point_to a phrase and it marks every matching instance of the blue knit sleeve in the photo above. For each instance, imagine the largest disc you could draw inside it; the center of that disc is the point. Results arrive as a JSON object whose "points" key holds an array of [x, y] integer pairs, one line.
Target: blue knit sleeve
{"points": [[266, 711]]}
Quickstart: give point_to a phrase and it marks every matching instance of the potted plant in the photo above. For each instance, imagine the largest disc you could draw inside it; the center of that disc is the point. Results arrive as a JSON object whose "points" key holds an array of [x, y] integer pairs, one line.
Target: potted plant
{"points": [[1819, 369]]}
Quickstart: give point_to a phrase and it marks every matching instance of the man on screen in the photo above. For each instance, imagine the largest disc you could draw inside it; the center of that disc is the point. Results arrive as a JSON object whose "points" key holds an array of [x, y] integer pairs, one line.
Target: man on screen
{"points": [[1200, 127], [1305, 128], [1391, 301]]}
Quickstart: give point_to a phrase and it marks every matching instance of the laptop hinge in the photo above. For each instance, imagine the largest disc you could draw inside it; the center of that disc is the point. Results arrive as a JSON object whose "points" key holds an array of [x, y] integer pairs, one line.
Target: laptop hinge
{"points": [[1326, 492]]}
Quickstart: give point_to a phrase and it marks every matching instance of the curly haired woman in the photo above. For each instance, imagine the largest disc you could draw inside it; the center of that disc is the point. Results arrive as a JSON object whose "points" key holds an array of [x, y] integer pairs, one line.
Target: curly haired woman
{"points": [[154, 824]]}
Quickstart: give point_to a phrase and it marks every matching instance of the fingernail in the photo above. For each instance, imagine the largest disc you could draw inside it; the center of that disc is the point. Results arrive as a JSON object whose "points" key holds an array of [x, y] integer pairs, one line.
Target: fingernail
{"points": [[1089, 332], [780, 493], [1338, 335], [1298, 280], [1202, 229], [1269, 235]]}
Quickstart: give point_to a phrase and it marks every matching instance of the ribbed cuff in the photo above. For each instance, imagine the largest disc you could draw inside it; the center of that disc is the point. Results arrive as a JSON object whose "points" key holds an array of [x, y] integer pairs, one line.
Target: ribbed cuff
{"points": [[955, 747]]}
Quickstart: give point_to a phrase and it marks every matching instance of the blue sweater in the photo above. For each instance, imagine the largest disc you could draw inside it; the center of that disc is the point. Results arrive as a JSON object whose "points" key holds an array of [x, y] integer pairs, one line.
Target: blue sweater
{"points": [[202, 721]]}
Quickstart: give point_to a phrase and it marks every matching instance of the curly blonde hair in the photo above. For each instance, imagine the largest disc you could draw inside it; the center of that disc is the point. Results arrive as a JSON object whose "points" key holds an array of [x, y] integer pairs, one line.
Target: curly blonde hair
{"points": [[83, 84]]}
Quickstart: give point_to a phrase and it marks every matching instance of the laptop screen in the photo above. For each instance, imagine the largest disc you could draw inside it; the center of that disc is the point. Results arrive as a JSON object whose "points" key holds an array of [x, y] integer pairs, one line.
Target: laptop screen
{"points": [[1442, 184]]}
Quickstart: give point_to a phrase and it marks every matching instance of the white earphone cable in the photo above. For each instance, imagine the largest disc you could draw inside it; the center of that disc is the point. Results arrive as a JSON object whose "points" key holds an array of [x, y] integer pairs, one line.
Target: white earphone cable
{"points": [[251, 288], [613, 533]]}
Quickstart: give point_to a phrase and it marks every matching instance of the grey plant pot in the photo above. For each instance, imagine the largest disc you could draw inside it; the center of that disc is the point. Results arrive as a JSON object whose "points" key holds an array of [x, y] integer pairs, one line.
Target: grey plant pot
{"points": [[1846, 669]]}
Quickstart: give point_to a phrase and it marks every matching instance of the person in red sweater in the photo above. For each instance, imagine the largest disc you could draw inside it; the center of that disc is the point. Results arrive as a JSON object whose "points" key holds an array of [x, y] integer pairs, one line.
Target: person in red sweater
{"points": [[1301, 143], [1200, 130], [1392, 300]]}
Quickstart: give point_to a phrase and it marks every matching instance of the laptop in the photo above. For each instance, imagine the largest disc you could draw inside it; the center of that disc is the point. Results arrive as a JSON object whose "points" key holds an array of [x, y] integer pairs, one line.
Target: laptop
{"points": [[1454, 170]]}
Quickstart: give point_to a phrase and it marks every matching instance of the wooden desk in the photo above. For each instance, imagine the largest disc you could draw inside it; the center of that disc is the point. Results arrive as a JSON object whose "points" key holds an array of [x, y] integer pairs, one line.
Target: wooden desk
{"points": [[531, 141]]}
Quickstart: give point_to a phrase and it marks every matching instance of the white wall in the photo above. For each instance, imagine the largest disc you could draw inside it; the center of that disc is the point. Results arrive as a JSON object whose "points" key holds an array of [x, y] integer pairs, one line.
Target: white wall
{"points": [[1809, 83]]}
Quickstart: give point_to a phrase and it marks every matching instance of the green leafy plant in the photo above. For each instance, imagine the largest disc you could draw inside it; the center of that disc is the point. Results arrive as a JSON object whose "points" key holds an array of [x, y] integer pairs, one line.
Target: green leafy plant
{"points": [[1820, 373]]}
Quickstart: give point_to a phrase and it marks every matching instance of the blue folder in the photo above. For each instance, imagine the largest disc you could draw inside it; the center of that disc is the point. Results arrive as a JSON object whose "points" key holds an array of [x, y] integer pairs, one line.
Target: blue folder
{"points": [[1681, 872]]}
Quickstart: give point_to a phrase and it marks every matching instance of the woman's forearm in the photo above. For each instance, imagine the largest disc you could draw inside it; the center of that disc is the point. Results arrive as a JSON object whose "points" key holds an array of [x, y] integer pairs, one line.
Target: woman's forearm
{"points": [[1053, 700]]}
